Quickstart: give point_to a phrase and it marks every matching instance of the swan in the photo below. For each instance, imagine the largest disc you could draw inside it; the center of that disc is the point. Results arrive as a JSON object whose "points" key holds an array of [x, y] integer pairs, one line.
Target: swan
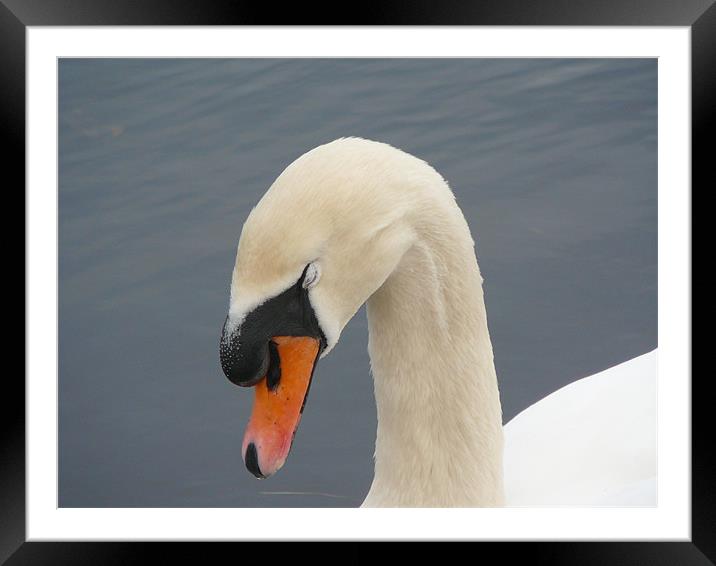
{"points": [[357, 221]]}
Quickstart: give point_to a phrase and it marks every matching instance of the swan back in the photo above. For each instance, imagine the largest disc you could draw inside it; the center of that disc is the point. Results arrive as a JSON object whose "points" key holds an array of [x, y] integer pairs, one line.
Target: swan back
{"points": [[590, 443]]}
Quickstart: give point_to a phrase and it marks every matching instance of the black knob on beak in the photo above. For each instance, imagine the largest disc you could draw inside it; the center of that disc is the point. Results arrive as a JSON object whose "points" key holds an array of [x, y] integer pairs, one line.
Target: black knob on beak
{"points": [[243, 363], [245, 350]]}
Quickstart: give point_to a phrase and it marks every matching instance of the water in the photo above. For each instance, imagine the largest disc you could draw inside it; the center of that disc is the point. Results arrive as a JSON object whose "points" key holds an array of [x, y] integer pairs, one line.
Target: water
{"points": [[553, 162]]}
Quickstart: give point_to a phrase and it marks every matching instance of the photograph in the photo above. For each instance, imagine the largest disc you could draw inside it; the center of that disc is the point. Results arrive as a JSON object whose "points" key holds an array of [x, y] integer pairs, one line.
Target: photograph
{"points": [[426, 278], [456, 256]]}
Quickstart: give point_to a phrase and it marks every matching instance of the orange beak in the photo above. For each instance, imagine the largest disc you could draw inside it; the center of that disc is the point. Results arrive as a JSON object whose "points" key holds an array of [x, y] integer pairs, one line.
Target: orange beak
{"points": [[278, 407]]}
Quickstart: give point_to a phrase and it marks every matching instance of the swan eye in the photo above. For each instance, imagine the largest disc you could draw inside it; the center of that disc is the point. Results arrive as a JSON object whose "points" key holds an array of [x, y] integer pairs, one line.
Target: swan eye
{"points": [[313, 274]]}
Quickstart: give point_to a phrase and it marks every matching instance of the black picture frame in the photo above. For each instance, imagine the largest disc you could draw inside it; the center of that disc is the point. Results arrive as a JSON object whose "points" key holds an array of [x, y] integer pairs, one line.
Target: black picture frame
{"points": [[16, 15]]}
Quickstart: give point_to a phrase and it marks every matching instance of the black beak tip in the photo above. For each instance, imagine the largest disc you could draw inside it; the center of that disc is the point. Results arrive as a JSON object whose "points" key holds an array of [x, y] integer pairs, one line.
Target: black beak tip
{"points": [[251, 459]]}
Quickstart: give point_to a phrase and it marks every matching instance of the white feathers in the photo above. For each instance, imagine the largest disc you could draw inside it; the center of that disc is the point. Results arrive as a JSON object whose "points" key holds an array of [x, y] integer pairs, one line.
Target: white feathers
{"points": [[591, 443]]}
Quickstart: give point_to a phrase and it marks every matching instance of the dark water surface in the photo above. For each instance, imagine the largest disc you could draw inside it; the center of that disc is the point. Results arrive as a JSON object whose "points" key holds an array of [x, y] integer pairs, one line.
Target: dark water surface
{"points": [[553, 162]]}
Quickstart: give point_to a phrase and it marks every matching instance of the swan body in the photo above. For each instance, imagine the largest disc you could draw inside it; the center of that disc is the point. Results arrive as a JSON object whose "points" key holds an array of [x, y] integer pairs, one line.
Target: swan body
{"points": [[591, 443], [372, 224]]}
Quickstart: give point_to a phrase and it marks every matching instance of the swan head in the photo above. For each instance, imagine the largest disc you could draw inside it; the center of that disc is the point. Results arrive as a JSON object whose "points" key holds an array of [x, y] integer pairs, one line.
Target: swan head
{"points": [[321, 241]]}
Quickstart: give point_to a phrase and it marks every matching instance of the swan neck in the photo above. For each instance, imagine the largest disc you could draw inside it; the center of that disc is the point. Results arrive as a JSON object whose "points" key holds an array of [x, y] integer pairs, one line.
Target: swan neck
{"points": [[439, 436]]}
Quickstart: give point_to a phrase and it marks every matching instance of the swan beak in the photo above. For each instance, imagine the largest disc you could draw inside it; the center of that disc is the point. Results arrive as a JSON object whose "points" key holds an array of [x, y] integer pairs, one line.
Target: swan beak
{"points": [[278, 404]]}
